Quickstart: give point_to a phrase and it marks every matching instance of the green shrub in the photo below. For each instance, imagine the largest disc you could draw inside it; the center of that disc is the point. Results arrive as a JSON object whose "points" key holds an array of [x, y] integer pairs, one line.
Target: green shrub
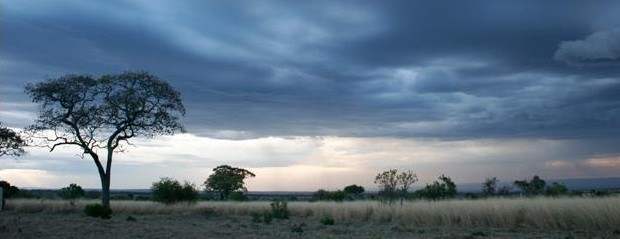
{"points": [[97, 210], [280, 210], [326, 220], [169, 191]]}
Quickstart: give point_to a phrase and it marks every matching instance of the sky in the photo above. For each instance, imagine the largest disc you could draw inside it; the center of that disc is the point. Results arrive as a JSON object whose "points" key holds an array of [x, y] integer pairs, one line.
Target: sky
{"points": [[323, 94]]}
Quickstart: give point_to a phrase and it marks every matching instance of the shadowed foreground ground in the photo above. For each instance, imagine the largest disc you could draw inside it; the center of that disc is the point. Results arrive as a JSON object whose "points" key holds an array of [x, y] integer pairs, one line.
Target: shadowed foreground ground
{"points": [[76, 225]]}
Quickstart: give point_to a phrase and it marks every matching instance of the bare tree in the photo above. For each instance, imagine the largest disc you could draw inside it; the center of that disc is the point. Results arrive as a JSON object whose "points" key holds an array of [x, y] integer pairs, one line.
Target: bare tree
{"points": [[389, 182], [10, 142], [103, 114]]}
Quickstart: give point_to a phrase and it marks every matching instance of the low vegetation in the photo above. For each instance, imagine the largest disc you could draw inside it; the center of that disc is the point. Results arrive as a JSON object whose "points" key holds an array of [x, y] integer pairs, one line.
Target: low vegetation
{"points": [[565, 213], [169, 191], [72, 192], [97, 210]]}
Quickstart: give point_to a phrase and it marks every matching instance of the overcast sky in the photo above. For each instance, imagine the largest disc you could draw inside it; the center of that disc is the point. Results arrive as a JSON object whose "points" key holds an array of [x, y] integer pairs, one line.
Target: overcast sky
{"points": [[322, 94]]}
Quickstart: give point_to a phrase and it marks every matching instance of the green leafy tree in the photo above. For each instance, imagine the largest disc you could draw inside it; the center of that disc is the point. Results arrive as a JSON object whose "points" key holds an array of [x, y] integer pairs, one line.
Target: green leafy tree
{"points": [[102, 114], [169, 191], [226, 179], [72, 192], [443, 189], [534, 187], [11, 143], [354, 191]]}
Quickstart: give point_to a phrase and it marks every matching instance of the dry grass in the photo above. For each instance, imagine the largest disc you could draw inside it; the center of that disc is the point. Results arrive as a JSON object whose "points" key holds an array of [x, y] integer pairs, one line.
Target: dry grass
{"points": [[535, 213]]}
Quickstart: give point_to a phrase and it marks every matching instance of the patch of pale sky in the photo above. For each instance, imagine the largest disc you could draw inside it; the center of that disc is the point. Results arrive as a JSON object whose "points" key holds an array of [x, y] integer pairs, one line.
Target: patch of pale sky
{"points": [[298, 163]]}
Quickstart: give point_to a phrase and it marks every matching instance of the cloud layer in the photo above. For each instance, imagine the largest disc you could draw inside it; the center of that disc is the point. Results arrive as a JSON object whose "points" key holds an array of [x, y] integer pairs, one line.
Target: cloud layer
{"points": [[597, 49], [449, 71], [412, 70]]}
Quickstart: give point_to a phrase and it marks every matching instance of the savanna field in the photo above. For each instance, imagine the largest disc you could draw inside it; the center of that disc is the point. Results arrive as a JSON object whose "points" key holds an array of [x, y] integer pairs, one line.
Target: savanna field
{"points": [[309, 119], [570, 217]]}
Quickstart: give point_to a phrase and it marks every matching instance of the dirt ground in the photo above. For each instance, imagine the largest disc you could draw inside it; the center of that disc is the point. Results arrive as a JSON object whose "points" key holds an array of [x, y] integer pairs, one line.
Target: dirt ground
{"points": [[45, 225]]}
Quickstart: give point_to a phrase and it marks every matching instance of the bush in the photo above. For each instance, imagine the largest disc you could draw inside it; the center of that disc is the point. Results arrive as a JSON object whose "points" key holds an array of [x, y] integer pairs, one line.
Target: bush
{"points": [[531, 188], [72, 192], [323, 195], [97, 210], [237, 196], [442, 189], [169, 191], [280, 210], [326, 220], [354, 191]]}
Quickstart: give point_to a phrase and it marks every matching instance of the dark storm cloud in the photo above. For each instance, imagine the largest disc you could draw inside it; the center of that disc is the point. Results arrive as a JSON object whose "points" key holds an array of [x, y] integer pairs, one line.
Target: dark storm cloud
{"points": [[419, 69]]}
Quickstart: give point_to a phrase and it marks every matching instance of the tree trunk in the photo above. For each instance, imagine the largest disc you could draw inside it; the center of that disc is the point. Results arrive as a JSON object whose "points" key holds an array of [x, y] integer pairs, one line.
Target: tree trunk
{"points": [[105, 191]]}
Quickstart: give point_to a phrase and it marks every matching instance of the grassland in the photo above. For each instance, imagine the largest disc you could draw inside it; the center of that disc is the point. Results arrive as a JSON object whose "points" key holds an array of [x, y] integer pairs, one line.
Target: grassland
{"points": [[498, 217]]}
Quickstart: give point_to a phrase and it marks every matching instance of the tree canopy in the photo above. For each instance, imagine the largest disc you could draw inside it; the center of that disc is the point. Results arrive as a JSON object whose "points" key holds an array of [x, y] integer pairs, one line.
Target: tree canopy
{"points": [[442, 189], [226, 179], [168, 190], [389, 182], [354, 190], [11, 143], [73, 191], [533, 187], [103, 113]]}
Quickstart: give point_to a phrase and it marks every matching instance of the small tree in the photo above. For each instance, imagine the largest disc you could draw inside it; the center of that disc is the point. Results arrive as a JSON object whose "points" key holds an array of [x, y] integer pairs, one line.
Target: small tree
{"points": [[10, 142], [169, 191], [226, 179], [354, 191], [72, 192], [387, 182], [406, 179], [104, 113], [489, 186], [442, 189], [532, 188]]}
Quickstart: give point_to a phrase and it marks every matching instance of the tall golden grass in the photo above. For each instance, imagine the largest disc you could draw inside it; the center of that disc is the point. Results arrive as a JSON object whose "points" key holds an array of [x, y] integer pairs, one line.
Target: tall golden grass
{"points": [[537, 213]]}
